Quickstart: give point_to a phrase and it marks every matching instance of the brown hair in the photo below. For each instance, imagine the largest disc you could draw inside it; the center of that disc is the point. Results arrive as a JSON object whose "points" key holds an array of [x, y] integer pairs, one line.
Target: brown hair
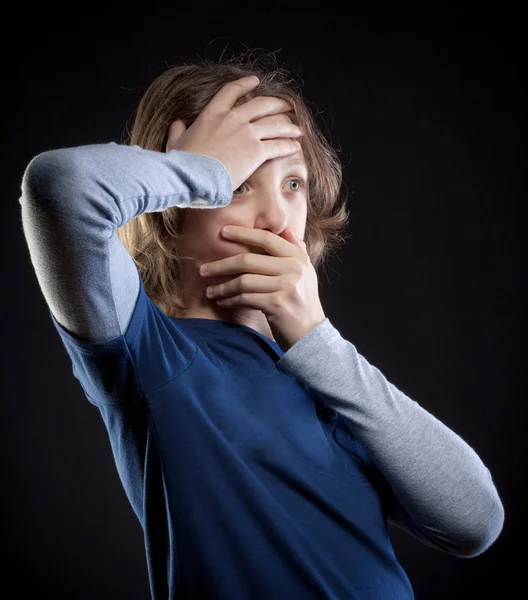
{"points": [[182, 92]]}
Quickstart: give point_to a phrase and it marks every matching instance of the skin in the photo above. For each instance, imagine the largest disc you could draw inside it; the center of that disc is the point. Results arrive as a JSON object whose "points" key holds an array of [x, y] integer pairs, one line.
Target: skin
{"points": [[267, 200]]}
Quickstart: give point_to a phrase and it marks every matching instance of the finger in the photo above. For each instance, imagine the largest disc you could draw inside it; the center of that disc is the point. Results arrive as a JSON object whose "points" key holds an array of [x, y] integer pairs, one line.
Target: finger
{"points": [[280, 147], [271, 127], [248, 282], [257, 301], [274, 244], [231, 92], [246, 263], [261, 106]]}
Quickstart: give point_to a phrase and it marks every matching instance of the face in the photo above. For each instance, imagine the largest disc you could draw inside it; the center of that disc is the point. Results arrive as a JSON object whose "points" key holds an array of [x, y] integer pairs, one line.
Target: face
{"points": [[274, 197]]}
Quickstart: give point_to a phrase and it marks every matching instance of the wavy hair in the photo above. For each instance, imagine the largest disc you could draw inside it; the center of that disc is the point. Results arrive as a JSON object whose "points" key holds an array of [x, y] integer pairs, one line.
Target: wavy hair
{"points": [[182, 92]]}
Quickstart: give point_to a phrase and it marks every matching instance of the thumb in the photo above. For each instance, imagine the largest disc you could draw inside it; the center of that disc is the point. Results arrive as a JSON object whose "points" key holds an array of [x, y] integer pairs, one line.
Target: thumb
{"points": [[176, 130]]}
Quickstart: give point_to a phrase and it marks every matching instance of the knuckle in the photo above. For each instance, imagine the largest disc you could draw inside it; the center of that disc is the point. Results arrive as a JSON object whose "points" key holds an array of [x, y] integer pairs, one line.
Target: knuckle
{"points": [[234, 84], [243, 281], [297, 267], [264, 100], [206, 113], [276, 301], [268, 237], [231, 117], [250, 129], [245, 260], [291, 286]]}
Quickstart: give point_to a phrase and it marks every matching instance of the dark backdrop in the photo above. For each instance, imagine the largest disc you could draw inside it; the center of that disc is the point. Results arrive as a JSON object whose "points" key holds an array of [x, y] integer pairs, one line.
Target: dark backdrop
{"points": [[430, 122]]}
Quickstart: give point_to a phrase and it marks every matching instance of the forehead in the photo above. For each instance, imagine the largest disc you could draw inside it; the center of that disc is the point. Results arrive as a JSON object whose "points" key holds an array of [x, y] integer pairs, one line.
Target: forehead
{"points": [[281, 163], [293, 160]]}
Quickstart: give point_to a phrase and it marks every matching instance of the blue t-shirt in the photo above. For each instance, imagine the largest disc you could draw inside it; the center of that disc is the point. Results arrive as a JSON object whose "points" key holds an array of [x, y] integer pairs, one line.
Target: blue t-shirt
{"points": [[245, 484]]}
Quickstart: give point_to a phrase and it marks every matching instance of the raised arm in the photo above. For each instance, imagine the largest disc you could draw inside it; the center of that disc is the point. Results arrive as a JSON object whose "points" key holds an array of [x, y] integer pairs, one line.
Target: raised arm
{"points": [[73, 201]]}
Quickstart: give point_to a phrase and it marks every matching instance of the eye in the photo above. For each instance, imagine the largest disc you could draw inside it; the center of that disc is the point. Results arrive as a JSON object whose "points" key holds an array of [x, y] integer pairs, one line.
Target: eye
{"points": [[300, 183]]}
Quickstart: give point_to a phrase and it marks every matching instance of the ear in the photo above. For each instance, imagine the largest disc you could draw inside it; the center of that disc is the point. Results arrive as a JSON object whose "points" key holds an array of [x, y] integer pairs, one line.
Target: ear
{"points": [[176, 129]]}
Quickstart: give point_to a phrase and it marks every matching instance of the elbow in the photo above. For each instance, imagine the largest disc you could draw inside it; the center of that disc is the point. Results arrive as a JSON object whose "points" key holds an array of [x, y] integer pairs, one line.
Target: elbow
{"points": [[47, 177], [486, 533]]}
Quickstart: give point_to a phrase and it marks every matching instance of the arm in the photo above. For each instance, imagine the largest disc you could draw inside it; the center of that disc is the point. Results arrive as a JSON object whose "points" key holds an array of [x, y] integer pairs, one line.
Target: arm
{"points": [[434, 484], [73, 201]]}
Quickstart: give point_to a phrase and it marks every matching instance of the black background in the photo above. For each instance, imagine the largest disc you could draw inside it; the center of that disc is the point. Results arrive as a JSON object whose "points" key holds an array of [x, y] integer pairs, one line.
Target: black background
{"points": [[429, 119]]}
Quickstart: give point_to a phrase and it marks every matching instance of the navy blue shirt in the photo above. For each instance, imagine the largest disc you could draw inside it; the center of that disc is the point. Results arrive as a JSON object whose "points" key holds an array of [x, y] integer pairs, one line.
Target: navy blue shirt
{"points": [[247, 487]]}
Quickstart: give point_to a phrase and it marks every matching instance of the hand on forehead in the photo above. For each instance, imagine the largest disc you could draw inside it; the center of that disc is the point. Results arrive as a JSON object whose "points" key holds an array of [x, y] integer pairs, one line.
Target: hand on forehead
{"points": [[286, 117]]}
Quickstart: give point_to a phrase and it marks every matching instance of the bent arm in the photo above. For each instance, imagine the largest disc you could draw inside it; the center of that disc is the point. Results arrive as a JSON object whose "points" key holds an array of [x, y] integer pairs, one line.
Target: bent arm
{"points": [[74, 200]]}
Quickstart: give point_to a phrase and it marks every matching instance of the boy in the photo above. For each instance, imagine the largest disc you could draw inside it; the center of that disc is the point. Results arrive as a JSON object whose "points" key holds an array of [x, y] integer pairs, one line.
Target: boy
{"points": [[262, 455]]}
